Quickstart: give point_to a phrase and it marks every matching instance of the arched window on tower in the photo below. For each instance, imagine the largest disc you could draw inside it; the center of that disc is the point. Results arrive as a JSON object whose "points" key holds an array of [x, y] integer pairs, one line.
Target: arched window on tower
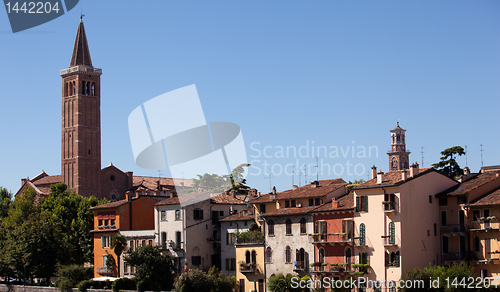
{"points": [[398, 138], [87, 88], [83, 87], [92, 89], [73, 90], [66, 86], [394, 163]]}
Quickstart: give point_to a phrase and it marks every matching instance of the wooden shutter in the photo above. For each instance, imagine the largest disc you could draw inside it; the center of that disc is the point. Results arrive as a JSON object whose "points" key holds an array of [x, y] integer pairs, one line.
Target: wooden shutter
{"points": [[201, 214], [362, 239], [357, 203], [397, 259], [228, 268], [392, 239], [386, 259], [365, 203], [228, 242]]}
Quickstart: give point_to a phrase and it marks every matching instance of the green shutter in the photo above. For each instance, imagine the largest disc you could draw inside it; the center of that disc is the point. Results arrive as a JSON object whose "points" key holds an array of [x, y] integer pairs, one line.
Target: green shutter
{"points": [[362, 234], [228, 268], [397, 259], [233, 264], [365, 203], [357, 204], [392, 239], [386, 259]]}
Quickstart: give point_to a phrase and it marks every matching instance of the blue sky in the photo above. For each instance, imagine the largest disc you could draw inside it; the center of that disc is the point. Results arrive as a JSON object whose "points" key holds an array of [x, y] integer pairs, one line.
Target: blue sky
{"points": [[289, 73]]}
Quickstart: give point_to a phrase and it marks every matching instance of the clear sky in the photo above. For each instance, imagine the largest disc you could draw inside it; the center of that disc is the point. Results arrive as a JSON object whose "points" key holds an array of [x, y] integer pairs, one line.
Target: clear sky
{"points": [[336, 74]]}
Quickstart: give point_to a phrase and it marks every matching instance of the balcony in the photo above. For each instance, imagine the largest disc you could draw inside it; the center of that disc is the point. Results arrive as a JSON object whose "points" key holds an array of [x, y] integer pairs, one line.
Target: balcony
{"points": [[387, 241], [389, 207], [249, 241], [104, 272], [299, 266], [249, 268], [485, 225], [340, 238], [453, 228], [341, 268], [453, 256]]}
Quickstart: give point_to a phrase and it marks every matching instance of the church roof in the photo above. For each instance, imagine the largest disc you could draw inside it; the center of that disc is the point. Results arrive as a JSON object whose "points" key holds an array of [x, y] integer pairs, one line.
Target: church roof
{"points": [[81, 52], [398, 128]]}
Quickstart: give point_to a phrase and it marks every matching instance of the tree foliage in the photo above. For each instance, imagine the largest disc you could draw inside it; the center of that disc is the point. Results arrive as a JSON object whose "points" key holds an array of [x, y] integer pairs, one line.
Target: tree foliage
{"points": [[447, 164], [215, 183], [154, 271], [5, 200], [196, 280]]}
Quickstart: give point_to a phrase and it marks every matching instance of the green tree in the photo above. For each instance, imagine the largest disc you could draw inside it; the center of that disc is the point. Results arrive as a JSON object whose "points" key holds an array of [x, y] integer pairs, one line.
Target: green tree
{"points": [[72, 213], [118, 243], [154, 270], [448, 165], [277, 283], [5, 200], [215, 183]]}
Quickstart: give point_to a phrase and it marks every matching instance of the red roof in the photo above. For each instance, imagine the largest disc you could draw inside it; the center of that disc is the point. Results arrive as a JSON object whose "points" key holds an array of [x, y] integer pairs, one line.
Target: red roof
{"points": [[307, 191], [345, 203], [391, 178], [81, 52], [240, 217], [169, 201], [226, 199], [474, 183], [492, 198], [289, 211]]}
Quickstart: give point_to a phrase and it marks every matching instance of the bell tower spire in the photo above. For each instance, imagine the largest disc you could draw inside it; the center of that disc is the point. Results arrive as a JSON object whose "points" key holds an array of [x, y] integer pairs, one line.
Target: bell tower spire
{"points": [[398, 155], [81, 120]]}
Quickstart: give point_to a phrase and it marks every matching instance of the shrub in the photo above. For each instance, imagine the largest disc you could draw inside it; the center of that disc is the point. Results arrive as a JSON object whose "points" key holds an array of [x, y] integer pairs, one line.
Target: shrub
{"points": [[69, 276], [84, 285], [124, 284]]}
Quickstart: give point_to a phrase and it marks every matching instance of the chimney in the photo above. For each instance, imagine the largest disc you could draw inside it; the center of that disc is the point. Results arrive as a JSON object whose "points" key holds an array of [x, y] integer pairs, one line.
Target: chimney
{"points": [[414, 169], [273, 194], [374, 172], [23, 180], [295, 187], [128, 196], [380, 177], [466, 170], [130, 179], [403, 174], [314, 184], [335, 203]]}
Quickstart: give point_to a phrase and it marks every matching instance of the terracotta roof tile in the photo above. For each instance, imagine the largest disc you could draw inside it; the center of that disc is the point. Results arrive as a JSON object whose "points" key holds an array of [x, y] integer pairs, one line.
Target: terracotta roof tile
{"points": [[289, 211], [51, 179], [240, 217], [474, 183], [304, 192], [151, 183], [492, 198], [226, 199], [110, 205], [346, 202], [169, 201], [392, 177]]}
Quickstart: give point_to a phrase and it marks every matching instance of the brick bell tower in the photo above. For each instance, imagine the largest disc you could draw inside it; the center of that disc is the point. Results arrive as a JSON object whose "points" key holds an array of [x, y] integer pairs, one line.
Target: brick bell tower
{"points": [[81, 120], [398, 156]]}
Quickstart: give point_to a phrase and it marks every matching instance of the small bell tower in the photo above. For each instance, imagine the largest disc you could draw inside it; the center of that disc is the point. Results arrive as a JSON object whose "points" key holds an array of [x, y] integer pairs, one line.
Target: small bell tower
{"points": [[398, 155]]}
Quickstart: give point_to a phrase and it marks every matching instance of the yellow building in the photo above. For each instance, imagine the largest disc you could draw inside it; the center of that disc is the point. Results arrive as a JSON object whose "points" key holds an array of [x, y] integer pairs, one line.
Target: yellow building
{"points": [[250, 272]]}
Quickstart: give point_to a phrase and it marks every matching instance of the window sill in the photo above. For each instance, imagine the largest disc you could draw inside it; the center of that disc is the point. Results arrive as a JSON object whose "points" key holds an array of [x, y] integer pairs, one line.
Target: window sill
{"points": [[303, 234], [288, 234], [271, 235]]}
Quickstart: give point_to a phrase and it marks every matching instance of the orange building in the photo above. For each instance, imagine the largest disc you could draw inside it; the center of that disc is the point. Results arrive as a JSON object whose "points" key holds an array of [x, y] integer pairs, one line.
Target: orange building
{"points": [[132, 213]]}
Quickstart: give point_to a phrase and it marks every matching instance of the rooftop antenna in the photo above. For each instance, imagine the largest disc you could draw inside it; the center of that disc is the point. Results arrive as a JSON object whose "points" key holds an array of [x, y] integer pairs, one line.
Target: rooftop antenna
{"points": [[293, 175], [299, 171], [422, 151], [305, 175], [270, 180], [317, 170], [481, 155]]}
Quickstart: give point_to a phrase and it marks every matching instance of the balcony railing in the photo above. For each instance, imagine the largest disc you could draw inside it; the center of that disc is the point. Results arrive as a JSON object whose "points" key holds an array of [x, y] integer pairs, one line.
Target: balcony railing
{"points": [[249, 268], [331, 269], [299, 266], [388, 241], [249, 241], [453, 228], [454, 256], [104, 271], [389, 206], [330, 238]]}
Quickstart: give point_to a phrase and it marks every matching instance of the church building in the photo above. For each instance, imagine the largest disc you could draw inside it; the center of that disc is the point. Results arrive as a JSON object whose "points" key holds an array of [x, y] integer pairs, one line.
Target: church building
{"points": [[81, 139]]}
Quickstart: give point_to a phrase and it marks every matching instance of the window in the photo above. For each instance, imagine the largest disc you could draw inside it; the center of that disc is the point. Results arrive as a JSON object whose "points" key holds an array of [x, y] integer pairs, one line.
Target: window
{"points": [[247, 257], [196, 260], [321, 255], [392, 259], [435, 229], [346, 228], [270, 228], [392, 286], [293, 204], [303, 226], [288, 255], [348, 255], [486, 213], [178, 239], [163, 216], [443, 218], [230, 264], [287, 204], [198, 214], [477, 244], [131, 244], [317, 202], [362, 203], [443, 201], [105, 241], [430, 199], [112, 222], [461, 200], [288, 227], [99, 222], [445, 244], [269, 255], [311, 202], [254, 256], [262, 208], [476, 214], [221, 213], [229, 238], [177, 215], [362, 234], [163, 240]]}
